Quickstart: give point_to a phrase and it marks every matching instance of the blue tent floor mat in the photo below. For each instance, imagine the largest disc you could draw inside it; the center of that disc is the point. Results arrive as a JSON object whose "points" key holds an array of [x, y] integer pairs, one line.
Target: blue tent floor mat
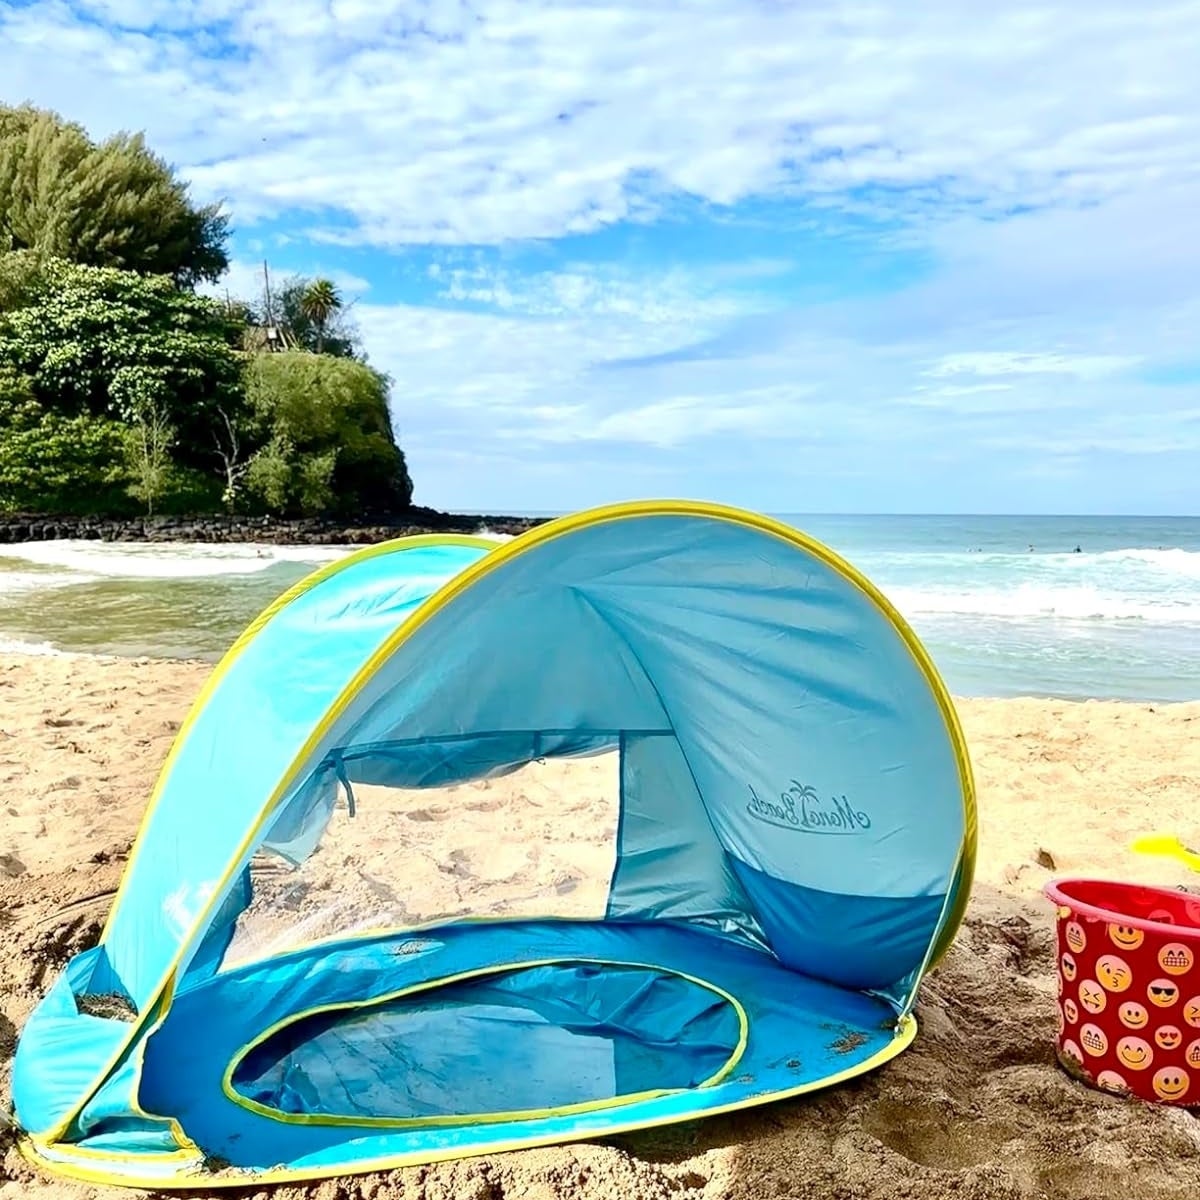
{"points": [[566, 1031], [565, 1035]]}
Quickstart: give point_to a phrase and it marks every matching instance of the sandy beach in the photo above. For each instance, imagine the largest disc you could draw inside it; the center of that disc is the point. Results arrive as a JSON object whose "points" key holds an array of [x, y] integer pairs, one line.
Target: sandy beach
{"points": [[975, 1110]]}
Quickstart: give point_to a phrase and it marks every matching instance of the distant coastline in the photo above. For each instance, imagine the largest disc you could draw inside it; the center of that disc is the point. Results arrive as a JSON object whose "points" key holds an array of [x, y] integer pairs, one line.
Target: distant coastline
{"points": [[303, 531]]}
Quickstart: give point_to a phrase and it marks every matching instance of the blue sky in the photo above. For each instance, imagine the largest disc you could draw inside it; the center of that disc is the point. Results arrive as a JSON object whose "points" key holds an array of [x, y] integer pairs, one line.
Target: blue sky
{"points": [[797, 256]]}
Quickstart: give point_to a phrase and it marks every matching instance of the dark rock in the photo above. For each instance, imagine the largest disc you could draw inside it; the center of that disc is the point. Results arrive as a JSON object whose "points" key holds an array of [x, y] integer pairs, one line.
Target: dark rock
{"points": [[366, 529]]}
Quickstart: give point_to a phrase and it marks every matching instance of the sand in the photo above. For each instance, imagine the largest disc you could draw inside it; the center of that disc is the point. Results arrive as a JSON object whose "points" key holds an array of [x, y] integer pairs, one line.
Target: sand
{"points": [[975, 1110]]}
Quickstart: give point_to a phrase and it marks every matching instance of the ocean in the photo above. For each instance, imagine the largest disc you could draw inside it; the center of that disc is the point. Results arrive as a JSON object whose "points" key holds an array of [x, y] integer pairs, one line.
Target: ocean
{"points": [[1071, 607]]}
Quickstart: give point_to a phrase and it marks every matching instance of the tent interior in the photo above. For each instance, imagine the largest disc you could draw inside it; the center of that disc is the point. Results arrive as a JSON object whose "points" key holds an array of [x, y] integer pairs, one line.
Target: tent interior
{"points": [[648, 814]]}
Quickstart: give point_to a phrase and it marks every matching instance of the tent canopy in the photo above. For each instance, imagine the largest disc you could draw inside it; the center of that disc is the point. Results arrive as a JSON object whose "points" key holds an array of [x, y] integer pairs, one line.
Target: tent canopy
{"points": [[794, 813]]}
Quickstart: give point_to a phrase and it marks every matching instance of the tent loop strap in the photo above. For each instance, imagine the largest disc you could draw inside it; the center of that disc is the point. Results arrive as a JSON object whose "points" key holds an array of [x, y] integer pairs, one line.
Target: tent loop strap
{"points": [[338, 762]]}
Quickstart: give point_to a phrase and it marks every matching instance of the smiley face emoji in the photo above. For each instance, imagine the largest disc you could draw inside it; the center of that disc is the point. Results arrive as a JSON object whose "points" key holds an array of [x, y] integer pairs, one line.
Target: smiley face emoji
{"points": [[1168, 1037], [1069, 968], [1125, 937], [1094, 1040], [1176, 959], [1163, 992], [1092, 997], [1193, 1054], [1162, 916], [1075, 936], [1072, 1053], [1133, 1015], [1135, 1053], [1171, 1083], [1114, 973], [1110, 1081], [1071, 1010], [1191, 1012]]}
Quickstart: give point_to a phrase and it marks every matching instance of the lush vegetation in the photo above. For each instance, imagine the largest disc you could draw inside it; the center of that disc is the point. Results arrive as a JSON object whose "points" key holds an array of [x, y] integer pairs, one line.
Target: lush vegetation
{"points": [[122, 390]]}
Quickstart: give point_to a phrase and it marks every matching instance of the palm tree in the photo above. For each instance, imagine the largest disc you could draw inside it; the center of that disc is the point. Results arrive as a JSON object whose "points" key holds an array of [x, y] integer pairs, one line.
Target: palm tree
{"points": [[318, 303]]}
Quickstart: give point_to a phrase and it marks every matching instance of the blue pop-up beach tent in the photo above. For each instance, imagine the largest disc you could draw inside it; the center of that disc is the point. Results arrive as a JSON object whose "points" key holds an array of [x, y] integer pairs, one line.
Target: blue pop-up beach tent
{"points": [[793, 851]]}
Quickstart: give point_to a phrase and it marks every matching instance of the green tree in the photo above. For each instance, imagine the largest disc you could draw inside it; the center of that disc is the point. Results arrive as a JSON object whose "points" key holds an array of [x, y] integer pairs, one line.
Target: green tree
{"points": [[324, 327], [99, 341], [319, 302], [325, 436], [148, 451], [108, 204], [55, 464]]}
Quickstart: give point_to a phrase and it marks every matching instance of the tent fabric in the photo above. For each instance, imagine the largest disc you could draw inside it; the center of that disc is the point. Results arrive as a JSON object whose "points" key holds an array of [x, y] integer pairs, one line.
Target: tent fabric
{"points": [[794, 792]]}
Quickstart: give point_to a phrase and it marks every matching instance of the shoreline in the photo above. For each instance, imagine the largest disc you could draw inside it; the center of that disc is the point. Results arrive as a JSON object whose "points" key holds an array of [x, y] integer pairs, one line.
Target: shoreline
{"points": [[366, 529], [12, 648]]}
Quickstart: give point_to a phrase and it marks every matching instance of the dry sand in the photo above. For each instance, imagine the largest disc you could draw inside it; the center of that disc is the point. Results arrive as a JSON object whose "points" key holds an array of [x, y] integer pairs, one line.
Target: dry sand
{"points": [[976, 1110]]}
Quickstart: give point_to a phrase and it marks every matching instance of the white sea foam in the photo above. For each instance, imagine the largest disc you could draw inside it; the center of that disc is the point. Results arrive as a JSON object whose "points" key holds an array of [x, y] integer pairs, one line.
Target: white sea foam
{"points": [[1029, 601], [9, 645], [14, 582], [88, 560]]}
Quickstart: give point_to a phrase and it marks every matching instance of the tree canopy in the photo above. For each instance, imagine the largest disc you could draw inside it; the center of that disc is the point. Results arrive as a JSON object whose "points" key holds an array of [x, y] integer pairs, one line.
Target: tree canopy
{"points": [[325, 433], [107, 342], [122, 389], [107, 204]]}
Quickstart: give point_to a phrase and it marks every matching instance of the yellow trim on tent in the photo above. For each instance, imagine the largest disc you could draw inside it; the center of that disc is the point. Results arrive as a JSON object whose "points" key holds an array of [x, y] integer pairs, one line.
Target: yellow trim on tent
{"points": [[489, 1118], [906, 1030], [298, 589], [247, 635], [498, 557]]}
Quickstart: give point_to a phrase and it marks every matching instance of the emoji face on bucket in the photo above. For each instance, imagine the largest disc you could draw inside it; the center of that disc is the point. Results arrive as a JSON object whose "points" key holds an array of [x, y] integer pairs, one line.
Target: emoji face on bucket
{"points": [[1193, 1054], [1135, 1053], [1110, 1081], [1094, 1040], [1163, 992], [1075, 936], [1171, 1083], [1168, 1037], [1072, 1052], [1069, 968], [1125, 937], [1071, 1010], [1133, 1015], [1092, 997], [1191, 1012], [1114, 973], [1176, 959]]}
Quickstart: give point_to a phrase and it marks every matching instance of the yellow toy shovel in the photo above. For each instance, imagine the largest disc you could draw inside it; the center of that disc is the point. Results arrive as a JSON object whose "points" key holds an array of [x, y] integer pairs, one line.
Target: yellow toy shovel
{"points": [[1167, 845]]}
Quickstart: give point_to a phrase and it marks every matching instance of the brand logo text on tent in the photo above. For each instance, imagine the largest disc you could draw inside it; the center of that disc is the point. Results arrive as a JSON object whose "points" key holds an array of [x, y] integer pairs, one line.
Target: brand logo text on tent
{"points": [[801, 809]]}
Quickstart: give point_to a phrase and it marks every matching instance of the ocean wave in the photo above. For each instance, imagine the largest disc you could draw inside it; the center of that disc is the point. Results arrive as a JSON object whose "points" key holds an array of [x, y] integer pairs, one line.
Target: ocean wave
{"points": [[15, 582], [86, 561], [10, 645], [1032, 601], [1174, 560]]}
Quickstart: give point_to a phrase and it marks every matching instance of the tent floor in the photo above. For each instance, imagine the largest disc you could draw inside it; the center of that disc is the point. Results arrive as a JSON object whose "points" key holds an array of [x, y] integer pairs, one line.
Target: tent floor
{"points": [[414, 1047]]}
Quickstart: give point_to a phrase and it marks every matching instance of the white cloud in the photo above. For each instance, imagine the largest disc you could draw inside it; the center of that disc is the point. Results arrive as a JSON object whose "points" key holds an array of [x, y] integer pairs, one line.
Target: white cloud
{"points": [[438, 122], [1002, 362], [670, 296]]}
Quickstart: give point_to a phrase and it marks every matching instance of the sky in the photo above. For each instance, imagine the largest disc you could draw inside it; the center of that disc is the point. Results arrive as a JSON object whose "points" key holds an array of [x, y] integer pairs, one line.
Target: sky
{"points": [[796, 256]]}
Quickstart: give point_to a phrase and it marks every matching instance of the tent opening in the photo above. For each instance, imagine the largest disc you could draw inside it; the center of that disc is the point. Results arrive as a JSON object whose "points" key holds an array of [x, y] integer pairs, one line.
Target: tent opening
{"points": [[533, 838]]}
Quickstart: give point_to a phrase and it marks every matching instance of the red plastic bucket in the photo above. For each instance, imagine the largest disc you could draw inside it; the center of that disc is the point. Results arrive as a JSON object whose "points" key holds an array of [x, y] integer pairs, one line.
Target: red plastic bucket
{"points": [[1129, 988]]}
